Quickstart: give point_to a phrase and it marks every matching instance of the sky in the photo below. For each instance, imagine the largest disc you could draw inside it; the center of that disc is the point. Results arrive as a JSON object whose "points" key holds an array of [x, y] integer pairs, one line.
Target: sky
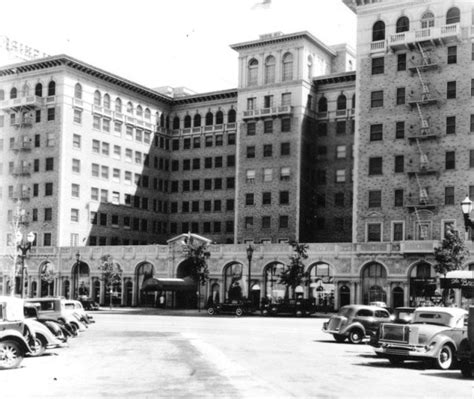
{"points": [[169, 42]]}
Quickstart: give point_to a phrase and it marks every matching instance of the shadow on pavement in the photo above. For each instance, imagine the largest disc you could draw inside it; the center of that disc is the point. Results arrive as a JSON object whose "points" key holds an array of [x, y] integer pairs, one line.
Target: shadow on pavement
{"points": [[453, 375]]}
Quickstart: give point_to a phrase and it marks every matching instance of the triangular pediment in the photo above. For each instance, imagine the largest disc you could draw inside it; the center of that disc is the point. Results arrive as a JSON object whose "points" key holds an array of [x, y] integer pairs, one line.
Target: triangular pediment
{"points": [[187, 237]]}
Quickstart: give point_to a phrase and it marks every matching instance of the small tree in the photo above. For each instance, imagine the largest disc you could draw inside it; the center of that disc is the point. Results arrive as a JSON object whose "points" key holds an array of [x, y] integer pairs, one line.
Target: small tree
{"points": [[450, 255], [294, 273], [197, 254], [110, 273]]}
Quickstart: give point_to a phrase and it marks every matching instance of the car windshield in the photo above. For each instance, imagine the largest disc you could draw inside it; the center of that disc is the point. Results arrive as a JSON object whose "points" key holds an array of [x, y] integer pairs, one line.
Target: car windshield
{"points": [[404, 315], [438, 318], [69, 305]]}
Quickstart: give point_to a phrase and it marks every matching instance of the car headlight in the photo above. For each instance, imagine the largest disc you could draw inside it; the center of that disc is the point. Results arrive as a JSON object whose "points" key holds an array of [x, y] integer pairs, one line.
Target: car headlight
{"points": [[431, 346]]}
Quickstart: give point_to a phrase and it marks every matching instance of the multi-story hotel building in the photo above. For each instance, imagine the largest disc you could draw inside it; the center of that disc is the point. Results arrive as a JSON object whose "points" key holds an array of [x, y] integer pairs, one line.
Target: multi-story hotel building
{"points": [[97, 160], [367, 168]]}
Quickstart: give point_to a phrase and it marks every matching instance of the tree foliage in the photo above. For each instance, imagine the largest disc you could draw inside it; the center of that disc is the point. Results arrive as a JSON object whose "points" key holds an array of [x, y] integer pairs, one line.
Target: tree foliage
{"points": [[294, 273], [451, 253], [197, 254], [110, 271]]}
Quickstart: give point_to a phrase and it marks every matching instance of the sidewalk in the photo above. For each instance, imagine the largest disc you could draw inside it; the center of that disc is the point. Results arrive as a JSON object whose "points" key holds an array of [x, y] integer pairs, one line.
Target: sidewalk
{"points": [[184, 312]]}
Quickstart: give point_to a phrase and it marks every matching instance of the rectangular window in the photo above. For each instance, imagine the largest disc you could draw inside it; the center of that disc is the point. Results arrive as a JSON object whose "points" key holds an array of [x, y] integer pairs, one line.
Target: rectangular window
{"points": [[283, 222], [96, 122], [286, 99], [50, 139], [375, 166], [450, 160], [268, 101], [51, 114], [251, 151], [341, 152], [196, 184], [75, 190], [399, 164], [47, 239], [286, 125], [38, 116], [48, 189], [322, 129], [451, 89], [397, 231], [49, 165], [230, 161], [218, 183], [398, 197], [249, 199], [106, 125], [104, 195], [341, 127], [218, 162], [76, 165], [401, 62], [449, 196], [48, 214], [94, 194], [231, 139], [400, 130], [104, 172], [251, 103], [376, 99], [375, 199], [472, 87], [128, 155], [208, 141], [248, 222], [374, 232], [268, 127], [450, 125], [196, 142], [378, 65], [129, 132], [452, 54], [96, 146], [250, 176], [196, 163], [266, 222], [76, 141], [471, 129], [74, 215], [105, 149], [400, 95], [339, 199], [267, 150], [117, 128], [230, 182], [340, 176], [229, 205], [471, 160], [285, 172], [77, 116], [267, 174], [284, 197], [376, 132], [266, 198]]}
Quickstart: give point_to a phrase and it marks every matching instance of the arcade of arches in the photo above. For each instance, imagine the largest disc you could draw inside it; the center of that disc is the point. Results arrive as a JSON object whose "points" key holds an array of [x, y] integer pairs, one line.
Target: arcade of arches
{"points": [[159, 281]]}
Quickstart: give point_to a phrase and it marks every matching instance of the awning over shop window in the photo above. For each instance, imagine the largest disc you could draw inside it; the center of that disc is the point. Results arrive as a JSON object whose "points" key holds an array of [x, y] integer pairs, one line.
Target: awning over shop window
{"points": [[169, 284], [458, 279]]}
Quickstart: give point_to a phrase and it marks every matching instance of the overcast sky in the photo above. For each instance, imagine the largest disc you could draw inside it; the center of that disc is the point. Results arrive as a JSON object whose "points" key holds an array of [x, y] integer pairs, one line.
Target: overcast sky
{"points": [[168, 42]]}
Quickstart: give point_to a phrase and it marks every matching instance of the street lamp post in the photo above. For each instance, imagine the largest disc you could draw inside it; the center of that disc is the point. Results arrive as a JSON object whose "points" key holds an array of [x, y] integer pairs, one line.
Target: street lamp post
{"points": [[23, 247], [249, 258], [75, 288], [466, 207]]}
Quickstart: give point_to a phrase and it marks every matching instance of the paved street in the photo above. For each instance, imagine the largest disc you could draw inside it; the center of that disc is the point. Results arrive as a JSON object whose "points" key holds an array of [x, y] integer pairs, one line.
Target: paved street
{"points": [[135, 355]]}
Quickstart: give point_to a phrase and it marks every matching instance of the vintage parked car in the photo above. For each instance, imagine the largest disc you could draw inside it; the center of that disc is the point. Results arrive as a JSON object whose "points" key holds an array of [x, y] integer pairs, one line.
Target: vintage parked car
{"points": [[237, 307], [433, 335], [295, 307], [77, 308], [88, 303], [53, 308], [356, 322], [466, 347], [15, 336]]}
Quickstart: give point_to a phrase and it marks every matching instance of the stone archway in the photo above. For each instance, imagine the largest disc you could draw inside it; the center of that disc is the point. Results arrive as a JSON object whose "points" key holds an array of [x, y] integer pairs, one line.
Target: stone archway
{"points": [[144, 272], [321, 285], [273, 289], [373, 283], [233, 281], [422, 280], [80, 280], [188, 299], [47, 277]]}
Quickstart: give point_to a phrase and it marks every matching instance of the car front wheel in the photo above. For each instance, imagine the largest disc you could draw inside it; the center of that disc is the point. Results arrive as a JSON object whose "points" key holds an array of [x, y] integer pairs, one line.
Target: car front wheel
{"points": [[356, 336], [445, 358], [211, 311], [239, 312], [39, 346], [11, 355]]}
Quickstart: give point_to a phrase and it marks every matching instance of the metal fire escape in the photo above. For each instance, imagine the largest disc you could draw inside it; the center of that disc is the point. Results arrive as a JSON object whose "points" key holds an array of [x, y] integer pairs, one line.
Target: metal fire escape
{"points": [[422, 167]]}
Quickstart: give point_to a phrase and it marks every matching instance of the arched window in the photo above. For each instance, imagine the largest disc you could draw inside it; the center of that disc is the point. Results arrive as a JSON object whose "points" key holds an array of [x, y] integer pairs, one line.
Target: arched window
{"points": [[139, 111], [162, 120], [323, 104], [341, 102], [310, 67], [209, 119], [147, 113], [253, 72], [427, 20], [231, 116], [219, 118], [233, 282], [106, 101], [39, 90], [374, 279], [422, 284], [287, 67], [187, 121], [97, 98], [13, 92], [26, 90], [78, 91], [270, 69], [274, 289], [378, 31], [353, 101], [403, 25], [52, 88], [130, 107], [176, 122], [453, 16], [197, 120], [118, 105], [2, 95]]}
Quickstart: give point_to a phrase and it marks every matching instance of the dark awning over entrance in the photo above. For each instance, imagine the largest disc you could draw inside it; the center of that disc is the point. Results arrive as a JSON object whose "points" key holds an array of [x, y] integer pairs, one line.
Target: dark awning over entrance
{"points": [[169, 284], [458, 279]]}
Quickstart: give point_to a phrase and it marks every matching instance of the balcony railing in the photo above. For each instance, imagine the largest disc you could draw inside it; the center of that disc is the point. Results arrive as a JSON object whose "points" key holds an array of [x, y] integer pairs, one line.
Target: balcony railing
{"points": [[22, 146], [23, 195], [272, 111], [28, 102], [435, 34], [21, 171], [378, 46], [22, 122]]}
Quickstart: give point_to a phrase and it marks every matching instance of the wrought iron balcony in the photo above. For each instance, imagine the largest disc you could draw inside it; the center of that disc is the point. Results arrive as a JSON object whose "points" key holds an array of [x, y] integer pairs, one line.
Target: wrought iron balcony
{"points": [[22, 103]]}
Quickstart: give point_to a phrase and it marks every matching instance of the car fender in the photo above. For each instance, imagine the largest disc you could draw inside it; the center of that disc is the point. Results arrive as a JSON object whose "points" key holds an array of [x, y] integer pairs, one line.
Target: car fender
{"points": [[43, 331], [347, 329], [13, 335], [441, 340]]}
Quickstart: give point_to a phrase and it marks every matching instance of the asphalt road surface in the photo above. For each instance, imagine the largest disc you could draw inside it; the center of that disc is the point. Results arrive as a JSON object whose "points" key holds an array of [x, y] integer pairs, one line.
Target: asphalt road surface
{"points": [[134, 355]]}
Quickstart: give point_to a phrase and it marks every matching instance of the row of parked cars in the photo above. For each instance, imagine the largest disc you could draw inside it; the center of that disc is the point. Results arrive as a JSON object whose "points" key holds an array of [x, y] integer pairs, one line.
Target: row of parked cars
{"points": [[439, 335], [29, 327]]}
